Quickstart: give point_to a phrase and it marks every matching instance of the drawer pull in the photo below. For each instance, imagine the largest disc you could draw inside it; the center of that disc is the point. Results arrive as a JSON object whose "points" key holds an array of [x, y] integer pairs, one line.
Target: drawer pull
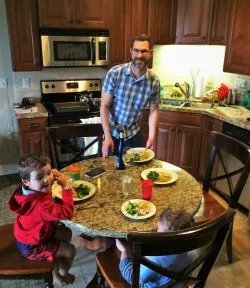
{"points": [[34, 125]]}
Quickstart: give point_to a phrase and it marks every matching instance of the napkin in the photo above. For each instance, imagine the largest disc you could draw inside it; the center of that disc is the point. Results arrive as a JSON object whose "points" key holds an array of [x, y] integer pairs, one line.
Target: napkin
{"points": [[93, 149]]}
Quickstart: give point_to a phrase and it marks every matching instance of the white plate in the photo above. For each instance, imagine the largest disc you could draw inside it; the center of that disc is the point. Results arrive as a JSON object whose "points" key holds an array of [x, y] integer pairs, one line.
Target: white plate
{"points": [[57, 190], [150, 214], [173, 175], [140, 150]]}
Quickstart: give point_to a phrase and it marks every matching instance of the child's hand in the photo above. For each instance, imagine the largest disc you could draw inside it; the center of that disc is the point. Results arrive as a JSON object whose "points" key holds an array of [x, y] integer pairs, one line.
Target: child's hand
{"points": [[120, 245], [56, 174], [65, 181]]}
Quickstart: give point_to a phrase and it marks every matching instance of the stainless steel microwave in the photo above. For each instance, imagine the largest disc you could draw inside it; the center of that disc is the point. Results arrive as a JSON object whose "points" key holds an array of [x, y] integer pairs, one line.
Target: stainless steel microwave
{"points": [[75, 50]]}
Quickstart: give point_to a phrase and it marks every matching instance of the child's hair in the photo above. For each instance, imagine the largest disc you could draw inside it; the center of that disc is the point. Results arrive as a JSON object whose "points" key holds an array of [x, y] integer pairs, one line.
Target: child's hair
{"points": [[176, 220], [31, 162]]}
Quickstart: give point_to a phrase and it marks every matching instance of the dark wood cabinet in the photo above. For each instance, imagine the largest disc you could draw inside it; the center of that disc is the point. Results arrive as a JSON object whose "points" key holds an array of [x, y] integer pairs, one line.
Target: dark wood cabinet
{"points": [[237, 57], [33, 136], [24, 39], [84, 14], [202, 21], [144, 127], [208, 124], [178, 139]]}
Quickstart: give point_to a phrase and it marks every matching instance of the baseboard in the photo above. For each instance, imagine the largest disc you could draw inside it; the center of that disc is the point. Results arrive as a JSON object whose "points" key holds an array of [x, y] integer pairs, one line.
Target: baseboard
{"points": [[8, 169]]}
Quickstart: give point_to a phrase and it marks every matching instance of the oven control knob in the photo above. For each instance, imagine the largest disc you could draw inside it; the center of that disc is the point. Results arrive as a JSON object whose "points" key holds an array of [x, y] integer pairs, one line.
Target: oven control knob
{"points": [[96, 85], [90, 84], [53, 86], [47, 86]]}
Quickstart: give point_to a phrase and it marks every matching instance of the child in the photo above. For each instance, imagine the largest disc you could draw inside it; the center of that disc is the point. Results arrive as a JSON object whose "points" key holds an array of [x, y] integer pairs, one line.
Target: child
{"points": [[169, 221], [37, 232]]}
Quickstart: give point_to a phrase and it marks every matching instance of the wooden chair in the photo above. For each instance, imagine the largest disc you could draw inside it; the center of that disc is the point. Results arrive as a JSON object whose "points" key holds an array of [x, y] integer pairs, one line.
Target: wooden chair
{"points": [[222, 146], [13, 265], [59, 139], [210, 236]]}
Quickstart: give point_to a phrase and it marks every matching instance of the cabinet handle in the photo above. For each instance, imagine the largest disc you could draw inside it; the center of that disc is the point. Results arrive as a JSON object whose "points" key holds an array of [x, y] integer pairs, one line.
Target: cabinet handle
{"points": [[34, 125], [212, 126], [78, 21], [71, 21]]}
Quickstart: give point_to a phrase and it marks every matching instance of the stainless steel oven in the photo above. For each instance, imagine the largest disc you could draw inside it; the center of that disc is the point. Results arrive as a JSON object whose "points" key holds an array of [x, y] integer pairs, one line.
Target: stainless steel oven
{"points": [[75, 48]]}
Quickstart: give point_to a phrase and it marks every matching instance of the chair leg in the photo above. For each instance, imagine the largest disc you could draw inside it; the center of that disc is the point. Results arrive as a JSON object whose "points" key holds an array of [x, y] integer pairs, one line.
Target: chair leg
{"points": [[229, 244]]}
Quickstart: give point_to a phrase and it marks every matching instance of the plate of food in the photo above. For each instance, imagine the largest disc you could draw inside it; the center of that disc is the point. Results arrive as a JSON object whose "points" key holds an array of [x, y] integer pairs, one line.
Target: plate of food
{"points": [[81, 190], [159, 175], [138, 209], [139, 155]]}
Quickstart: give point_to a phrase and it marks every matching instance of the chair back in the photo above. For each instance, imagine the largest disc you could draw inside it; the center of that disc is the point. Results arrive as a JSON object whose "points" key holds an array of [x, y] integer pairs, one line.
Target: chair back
{"points": [[210, 236], [61, 136], [224, 147]]}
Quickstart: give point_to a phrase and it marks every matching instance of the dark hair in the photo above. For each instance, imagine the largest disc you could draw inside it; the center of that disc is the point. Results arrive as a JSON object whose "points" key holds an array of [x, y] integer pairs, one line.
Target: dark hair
{"points": [[31, 162], [176, 220], [142, 37]]}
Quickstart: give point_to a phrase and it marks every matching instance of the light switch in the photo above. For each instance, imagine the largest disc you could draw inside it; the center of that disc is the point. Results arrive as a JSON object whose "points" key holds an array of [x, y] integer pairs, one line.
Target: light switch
{"points": [[25, 82], [3, 82]]}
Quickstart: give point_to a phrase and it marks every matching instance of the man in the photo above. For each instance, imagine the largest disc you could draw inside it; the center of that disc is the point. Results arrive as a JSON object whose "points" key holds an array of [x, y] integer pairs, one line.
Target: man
{"points": [[126, 90]]}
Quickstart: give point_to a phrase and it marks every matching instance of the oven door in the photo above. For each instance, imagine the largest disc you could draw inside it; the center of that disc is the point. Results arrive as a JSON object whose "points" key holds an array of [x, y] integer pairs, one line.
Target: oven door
{"points": [[67, 51]]}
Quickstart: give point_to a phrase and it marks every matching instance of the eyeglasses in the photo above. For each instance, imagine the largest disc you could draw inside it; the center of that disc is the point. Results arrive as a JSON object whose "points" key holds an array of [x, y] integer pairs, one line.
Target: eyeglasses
{"points": [[143, 52]]}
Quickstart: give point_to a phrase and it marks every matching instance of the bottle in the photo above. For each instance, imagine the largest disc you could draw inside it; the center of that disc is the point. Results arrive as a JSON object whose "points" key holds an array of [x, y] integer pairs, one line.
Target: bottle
{"points": [[119, 157]]}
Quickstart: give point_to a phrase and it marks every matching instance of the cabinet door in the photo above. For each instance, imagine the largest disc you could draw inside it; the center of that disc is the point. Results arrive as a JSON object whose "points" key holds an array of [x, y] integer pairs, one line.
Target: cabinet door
{"points": [[144, 127], [187, 145], [23, 34], [165, 149], [57, 13], [35, 142], [219, 21], [237, 57], [192, 21], [162, 22]]}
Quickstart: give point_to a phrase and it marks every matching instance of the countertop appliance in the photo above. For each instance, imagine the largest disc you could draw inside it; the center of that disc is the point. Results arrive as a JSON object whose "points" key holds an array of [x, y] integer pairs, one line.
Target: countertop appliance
{"points": [[74, 48], [242, 135], [67, 101]]}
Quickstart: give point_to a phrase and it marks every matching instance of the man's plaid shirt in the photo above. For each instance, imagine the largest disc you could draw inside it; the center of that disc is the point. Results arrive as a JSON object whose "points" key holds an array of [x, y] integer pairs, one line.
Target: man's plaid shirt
{"points": [[130, 96]]}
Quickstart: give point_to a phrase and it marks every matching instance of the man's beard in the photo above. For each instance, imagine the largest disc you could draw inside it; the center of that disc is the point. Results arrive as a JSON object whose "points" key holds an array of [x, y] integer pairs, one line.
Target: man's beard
{"points": [[139, 65]]}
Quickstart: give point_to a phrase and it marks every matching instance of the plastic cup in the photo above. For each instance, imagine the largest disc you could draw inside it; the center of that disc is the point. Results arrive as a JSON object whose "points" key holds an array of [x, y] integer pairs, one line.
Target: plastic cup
{"points": [[74, 172], [146, 189]]}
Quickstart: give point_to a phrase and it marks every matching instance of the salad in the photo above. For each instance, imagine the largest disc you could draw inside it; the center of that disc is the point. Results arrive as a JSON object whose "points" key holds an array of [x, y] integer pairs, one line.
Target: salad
{"points": [[138, 208], [82, 190]]}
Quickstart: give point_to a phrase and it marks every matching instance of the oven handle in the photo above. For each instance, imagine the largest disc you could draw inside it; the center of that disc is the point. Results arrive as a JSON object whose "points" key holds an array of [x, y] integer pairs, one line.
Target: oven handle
{"points": [[93, 56]]}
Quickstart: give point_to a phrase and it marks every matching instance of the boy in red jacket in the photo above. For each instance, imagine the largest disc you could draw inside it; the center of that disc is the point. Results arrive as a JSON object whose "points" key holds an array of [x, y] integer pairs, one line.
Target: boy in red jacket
{"points": [[37, 232]]}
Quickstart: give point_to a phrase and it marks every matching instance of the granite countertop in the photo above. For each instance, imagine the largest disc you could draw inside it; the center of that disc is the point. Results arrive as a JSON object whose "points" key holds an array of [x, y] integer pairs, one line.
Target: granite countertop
{"points": [[185, 193], [35, 111], [210, 112]]}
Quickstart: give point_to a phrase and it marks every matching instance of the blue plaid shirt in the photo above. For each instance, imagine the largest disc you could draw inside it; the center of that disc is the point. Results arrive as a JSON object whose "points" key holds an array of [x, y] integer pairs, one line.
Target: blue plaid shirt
{"points": [[130, 96]]}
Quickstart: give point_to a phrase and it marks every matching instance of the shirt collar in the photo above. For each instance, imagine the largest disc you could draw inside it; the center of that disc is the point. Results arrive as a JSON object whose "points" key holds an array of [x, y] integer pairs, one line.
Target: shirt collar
{"points": [[127, 72]]}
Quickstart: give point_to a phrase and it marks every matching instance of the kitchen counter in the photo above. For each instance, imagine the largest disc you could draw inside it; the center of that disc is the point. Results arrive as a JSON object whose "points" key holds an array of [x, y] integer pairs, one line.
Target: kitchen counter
{"points": [[210, 112], [37, 111]]}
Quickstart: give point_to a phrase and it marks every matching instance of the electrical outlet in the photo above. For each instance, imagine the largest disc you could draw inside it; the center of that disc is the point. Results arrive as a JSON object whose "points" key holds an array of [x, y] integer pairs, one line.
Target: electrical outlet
{"points": [[3, 82], [25, 82], [240, 83]]}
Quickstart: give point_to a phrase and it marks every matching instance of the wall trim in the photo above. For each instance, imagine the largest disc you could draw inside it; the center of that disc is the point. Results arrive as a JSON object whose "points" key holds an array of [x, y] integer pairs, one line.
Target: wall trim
{"points": [[8, 169]]}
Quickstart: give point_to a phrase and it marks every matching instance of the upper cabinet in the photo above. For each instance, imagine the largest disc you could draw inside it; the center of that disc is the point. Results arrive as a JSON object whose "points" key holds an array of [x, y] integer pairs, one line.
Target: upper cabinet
{"points": [[237, 58], [202, 21], [22, 20], [74, 13]]}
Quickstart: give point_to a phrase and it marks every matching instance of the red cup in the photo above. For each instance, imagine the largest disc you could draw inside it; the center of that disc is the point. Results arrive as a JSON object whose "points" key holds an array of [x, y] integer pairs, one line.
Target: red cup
{"points": [[146, 189]]}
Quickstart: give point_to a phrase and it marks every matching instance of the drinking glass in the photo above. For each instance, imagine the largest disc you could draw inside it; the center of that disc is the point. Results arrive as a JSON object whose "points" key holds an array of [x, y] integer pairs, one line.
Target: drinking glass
{"points": [[127, 185]]}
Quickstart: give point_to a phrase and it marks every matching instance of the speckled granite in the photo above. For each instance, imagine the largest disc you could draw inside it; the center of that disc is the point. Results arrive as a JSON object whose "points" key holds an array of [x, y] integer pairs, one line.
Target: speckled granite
{"points": [[108, 221], [210, 112], [41, 112]]}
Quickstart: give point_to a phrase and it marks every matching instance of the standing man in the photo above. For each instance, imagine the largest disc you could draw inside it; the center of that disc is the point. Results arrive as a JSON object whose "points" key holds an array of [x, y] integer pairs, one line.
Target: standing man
{"points": [[126, 90]]}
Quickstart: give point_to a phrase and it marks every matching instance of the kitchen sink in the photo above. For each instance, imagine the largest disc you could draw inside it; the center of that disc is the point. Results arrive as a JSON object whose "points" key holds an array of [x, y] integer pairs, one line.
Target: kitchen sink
{"points": [[198, 105], [172, 102]]}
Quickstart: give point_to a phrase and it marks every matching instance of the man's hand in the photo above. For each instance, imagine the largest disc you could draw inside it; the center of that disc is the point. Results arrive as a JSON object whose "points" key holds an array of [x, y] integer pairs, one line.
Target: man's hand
{"points": [[150, 144], [105, 146]]}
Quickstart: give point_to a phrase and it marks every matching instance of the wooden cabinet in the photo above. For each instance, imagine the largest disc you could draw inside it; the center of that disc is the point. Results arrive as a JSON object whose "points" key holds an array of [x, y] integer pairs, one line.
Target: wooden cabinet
{"points": [[178, 139], [23, 35], [208, 124], [202, 21], [144, 127], [33, 136], [74, 13], [237, 57]]}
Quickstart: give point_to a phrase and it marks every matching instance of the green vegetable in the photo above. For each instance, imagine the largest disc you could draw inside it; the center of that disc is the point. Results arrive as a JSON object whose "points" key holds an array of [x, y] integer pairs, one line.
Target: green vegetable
{"points": [[153, 175], [82, 190], [131, 208], [135, 157]]}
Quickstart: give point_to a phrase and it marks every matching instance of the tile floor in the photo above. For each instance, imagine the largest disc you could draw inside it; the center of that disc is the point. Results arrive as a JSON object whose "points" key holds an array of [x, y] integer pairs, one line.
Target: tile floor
{"points": [[84, 267]]}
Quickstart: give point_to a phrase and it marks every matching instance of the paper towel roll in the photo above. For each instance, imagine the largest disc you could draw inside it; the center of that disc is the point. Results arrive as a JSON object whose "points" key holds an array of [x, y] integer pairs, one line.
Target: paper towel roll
{"points": [[199, 91]]}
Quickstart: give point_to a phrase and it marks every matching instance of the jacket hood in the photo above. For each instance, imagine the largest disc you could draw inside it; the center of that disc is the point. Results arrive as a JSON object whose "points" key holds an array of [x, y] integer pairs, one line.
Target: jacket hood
{"points": [[23, 204]]}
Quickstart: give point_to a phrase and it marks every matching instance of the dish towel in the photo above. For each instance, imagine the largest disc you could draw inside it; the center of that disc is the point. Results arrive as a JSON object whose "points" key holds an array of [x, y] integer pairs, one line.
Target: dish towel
{"points": [[93, 149]]}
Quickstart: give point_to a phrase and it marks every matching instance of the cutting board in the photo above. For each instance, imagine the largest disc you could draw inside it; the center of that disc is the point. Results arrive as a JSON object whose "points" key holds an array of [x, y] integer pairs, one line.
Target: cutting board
{"points": [[234, 112]]}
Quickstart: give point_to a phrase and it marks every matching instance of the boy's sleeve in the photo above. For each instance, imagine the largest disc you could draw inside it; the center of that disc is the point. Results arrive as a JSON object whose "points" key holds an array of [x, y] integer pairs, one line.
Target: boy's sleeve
{"points": [[51, 211], [126, 269]]}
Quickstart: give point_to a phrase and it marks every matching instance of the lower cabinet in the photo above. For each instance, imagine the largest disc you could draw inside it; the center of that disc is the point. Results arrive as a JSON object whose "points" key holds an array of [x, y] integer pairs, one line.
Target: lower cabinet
{"points": [[178, 140], [144, 127], [33, 136], [209, 124]]}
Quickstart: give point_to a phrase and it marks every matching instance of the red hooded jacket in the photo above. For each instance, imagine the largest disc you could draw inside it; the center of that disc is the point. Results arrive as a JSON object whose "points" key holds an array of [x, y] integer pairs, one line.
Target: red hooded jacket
{"points": [[37, 213]]}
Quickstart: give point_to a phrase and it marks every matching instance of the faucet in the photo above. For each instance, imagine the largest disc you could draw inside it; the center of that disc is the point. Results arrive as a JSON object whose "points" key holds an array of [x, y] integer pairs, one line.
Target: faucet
{"points": [[185, 93]]}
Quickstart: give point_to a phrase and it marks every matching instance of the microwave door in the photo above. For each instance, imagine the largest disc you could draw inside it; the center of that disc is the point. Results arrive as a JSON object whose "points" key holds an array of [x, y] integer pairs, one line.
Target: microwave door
{"points": [[102, 51]]}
